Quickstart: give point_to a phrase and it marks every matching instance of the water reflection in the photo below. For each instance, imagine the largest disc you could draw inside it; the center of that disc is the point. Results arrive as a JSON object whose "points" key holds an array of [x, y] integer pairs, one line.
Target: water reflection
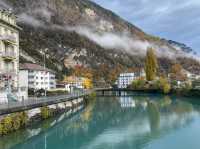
{"points": [[111, 122]]}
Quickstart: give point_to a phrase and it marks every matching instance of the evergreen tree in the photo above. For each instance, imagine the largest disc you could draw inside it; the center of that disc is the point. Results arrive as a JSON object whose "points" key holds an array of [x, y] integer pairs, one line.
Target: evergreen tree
{"points": [[151, 65]]}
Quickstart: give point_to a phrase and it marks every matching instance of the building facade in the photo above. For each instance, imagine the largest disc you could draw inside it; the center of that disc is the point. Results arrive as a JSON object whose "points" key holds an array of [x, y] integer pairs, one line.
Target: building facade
{"points": [[73, 82], [125, 79], [36, 77], [9, 54]]}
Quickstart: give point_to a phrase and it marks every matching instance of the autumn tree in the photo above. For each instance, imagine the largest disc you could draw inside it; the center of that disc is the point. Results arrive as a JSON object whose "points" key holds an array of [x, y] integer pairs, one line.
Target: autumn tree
{"points": [[164, 85], [177, 73], [114, 73], [81, 71], [87, 83], [151, 65]]}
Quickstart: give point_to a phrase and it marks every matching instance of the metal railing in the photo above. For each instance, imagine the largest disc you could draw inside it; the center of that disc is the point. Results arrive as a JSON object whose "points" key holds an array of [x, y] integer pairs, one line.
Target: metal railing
{"points": [[8, 72], [35, 102], [9, 54], [9, 38]]}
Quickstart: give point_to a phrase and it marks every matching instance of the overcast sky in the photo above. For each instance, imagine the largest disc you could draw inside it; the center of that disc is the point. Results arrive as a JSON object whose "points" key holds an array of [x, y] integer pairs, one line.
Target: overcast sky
{"points": [[178, 20]]}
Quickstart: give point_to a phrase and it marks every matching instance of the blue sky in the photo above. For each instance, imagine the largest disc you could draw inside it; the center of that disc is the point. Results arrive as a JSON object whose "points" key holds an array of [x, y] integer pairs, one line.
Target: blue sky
{"points": [[178, 20]]}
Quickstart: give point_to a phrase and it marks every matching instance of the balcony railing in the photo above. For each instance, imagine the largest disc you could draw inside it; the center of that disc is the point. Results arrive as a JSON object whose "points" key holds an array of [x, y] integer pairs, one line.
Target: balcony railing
{"points": [[8, 72], [9, 55], [8, 38]]}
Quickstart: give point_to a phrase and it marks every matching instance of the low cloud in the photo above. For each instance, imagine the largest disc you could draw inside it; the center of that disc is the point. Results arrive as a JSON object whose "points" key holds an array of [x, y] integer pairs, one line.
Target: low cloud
{"points": [[122, 41], [4, 5], [28, 19], [43, 12]]}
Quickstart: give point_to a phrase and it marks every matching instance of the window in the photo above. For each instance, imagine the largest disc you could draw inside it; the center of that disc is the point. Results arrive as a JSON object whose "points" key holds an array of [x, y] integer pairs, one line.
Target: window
{"points": [[31, 77], [31, 82]]}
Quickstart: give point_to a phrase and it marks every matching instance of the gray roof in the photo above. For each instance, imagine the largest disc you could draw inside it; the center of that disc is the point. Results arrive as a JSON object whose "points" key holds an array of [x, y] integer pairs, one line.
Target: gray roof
{"points": [[36, 67]]}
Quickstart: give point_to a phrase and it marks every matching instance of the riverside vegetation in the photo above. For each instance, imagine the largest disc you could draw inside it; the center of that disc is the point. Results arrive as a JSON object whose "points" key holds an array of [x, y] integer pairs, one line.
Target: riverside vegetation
{"points": [[13, 122], [16, 121], [152, 81]]}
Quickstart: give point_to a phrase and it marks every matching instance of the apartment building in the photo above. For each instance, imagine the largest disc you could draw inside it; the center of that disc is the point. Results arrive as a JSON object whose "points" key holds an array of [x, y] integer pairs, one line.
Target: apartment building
{"points": [[37, 77], [9, 56]]}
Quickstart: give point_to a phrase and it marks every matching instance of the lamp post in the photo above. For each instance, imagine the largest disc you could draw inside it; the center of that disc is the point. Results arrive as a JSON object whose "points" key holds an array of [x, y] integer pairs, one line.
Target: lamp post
{"points": [[45, 91]]}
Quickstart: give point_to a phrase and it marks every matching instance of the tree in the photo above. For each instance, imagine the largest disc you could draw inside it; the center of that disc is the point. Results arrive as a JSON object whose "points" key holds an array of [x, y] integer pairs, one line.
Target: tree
{"points": [[164, 85], [151, 65], [177, 73], [87, 83], [114, 73]]}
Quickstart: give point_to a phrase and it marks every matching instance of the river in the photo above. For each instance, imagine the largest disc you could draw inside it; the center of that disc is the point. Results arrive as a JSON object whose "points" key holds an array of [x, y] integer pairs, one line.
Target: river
{"points": [[130, 122]]}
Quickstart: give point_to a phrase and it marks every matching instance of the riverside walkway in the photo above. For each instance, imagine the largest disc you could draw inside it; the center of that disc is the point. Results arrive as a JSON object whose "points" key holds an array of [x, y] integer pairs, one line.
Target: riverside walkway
{"points": [[31, 103]]}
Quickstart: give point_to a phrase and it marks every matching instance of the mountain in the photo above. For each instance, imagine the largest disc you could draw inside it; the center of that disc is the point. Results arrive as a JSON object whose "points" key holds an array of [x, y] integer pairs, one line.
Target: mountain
{"points": [[80, 32], [181, 46]]}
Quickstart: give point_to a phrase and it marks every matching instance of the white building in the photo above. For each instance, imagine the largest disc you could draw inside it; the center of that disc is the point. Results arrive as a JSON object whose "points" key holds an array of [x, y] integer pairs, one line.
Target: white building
{"points": [[9, 54], [125, 79], [191, 76], [35, 77]]}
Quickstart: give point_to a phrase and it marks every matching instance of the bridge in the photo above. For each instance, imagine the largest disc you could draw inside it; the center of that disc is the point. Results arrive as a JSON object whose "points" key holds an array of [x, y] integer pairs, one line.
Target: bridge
{"points": [[31, 103], [122, 91]]}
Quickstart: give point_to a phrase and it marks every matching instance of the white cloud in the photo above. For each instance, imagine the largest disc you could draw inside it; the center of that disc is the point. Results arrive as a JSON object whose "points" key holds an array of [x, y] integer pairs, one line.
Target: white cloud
{"points": [[28, 19], [4, 5], [109, 40]]}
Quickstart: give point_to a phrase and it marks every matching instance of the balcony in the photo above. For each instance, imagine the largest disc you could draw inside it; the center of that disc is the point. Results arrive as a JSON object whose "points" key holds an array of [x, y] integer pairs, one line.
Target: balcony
{"points": [[8, 72], [8, 39], [9, 56]]}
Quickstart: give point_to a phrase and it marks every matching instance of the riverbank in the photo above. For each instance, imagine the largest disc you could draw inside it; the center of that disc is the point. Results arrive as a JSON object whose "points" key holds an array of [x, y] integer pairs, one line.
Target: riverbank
{"points": [[12, 122]]}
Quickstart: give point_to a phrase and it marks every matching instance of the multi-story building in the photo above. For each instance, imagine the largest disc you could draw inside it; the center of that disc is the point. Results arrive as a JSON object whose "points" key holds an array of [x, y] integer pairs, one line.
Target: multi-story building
{"points": [[37, 77], [9, 53], [125, 79]]}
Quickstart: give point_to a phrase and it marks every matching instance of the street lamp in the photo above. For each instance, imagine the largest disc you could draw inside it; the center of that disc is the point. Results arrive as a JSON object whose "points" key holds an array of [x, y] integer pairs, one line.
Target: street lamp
{"points": [[45, 91]]}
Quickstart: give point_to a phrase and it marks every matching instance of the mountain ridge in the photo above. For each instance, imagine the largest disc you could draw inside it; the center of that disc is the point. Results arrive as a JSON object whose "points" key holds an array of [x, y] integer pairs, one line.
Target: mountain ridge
{"points": [[78, 32]]}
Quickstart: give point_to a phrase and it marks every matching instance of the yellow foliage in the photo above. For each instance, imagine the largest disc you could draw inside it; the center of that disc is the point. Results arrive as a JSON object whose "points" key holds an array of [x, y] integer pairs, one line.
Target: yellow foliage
{"points": [[87, 83], [164, 85]]}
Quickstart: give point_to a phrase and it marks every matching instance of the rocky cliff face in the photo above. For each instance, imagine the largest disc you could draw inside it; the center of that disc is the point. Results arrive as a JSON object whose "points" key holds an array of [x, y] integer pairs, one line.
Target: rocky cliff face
{"points": [[81, 32]]}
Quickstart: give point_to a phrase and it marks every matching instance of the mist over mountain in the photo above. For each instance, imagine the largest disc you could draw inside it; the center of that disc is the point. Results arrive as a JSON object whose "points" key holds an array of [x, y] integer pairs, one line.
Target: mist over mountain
{"points": [[82, 32]]}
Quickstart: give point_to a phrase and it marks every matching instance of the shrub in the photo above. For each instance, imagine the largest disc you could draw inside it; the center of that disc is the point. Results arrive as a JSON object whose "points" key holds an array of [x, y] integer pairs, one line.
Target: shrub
{"points": [[16, 121], [138, 84], [23, 118], [13, 122], [1, 129], [174, 83], [45, 112], [7, 125], [164, 85], [166, 88]]}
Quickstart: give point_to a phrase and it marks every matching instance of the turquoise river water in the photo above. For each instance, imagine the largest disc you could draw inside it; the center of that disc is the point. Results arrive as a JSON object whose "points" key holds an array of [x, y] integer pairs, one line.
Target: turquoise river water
{"points": [[135, 122]]}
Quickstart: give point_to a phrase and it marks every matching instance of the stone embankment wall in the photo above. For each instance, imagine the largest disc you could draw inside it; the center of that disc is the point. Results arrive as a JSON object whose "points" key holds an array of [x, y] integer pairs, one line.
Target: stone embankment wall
{"points": [[12, 122]]}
